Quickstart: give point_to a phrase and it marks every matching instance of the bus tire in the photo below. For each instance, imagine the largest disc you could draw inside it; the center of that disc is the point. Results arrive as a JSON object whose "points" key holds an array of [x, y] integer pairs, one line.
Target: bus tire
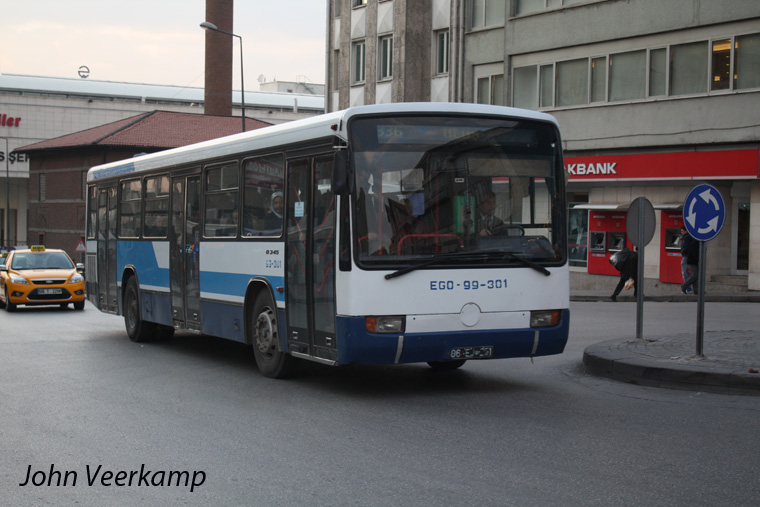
{"points": [[138, 330], [272, 362], [164, 333], [447, 365]]}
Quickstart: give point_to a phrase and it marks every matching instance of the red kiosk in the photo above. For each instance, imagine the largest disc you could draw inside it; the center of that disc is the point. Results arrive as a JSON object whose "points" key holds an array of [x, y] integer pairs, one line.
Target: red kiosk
{"points": [[670, 246], [606, 236]]}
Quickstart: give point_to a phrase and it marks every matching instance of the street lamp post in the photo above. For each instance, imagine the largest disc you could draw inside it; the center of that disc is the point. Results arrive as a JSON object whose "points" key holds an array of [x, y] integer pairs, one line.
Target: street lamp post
{"points": [[211, 26]]}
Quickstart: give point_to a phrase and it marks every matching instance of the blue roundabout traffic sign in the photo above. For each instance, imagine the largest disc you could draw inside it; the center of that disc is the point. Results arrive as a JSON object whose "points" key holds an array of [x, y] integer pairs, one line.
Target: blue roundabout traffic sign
{"points": [[704, 212]]}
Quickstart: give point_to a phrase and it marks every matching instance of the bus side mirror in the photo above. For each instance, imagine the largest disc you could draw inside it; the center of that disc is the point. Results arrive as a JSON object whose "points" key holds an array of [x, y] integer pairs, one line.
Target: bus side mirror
{"points": [[340, 172]]}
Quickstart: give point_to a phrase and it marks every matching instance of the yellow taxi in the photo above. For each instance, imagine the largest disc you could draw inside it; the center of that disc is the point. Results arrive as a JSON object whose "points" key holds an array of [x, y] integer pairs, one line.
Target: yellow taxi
{"points": [[40, 276]]}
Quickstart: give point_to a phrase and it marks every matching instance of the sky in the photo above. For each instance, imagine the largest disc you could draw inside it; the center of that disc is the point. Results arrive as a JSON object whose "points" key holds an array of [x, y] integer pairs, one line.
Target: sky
{"points": [[160, 41]]}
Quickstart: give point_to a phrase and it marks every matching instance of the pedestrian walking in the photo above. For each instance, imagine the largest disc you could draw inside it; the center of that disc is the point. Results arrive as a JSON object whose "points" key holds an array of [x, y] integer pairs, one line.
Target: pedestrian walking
{"points": [[684, 254], [691, 247]]}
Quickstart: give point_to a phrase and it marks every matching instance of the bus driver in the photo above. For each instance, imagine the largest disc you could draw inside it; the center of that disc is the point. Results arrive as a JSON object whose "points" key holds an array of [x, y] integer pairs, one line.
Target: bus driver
{"points": [[486, 223]]}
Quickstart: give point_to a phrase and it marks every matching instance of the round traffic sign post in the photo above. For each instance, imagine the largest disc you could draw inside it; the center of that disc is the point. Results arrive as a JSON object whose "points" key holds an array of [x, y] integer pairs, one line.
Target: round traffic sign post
{"points": [[704, 214], [640, 224]]}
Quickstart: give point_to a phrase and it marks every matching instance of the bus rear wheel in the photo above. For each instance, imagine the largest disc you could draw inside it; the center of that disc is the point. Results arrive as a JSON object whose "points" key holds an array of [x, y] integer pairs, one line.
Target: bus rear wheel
{"points": [[265, 338], [447, 365], [138, 330]]}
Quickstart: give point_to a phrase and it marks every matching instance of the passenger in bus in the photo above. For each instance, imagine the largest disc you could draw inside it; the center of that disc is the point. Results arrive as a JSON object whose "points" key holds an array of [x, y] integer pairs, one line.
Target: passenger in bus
{"points": [[273, 217], [486, 223]]}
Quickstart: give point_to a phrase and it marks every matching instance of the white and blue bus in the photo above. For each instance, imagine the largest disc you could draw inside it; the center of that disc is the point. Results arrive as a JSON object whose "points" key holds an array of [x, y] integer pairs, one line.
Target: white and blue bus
{"points": [[382, 234]]}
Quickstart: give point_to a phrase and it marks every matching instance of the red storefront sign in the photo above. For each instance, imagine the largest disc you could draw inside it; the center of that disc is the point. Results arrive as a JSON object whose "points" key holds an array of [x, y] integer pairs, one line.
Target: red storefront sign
{"points": [[691, 165]]}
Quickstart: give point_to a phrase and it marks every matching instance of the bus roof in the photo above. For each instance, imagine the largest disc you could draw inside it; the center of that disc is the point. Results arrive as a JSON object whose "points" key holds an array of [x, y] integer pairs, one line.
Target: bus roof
{"points": [[296, 131]]}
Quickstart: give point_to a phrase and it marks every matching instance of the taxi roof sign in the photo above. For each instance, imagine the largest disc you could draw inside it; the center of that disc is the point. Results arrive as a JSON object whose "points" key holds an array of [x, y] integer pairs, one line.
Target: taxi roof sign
{"points": [[37, 248]]}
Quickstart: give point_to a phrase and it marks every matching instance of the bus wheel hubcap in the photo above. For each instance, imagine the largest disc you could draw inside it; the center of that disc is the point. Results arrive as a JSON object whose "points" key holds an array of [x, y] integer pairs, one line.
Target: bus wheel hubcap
{"points": [[265, 332]]}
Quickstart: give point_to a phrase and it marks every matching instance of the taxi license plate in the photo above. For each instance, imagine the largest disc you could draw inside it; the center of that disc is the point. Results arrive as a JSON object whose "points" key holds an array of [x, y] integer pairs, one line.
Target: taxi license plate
{"points": [[484, 352], [49, 291]]}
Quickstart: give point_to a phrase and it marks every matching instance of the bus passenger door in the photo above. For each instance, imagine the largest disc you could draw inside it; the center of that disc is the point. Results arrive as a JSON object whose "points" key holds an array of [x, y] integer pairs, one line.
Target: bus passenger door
{"points": [[108, 300], [310, 258], [184, 256]]}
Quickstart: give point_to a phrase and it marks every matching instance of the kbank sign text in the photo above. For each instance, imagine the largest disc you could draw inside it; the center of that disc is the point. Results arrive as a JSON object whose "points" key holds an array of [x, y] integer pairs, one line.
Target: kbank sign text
{"points": [[600, 168]]}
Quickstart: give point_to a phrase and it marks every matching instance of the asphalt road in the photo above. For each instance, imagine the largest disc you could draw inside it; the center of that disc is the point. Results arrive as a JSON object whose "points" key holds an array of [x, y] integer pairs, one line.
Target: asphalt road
{"points": [[76, 394]]}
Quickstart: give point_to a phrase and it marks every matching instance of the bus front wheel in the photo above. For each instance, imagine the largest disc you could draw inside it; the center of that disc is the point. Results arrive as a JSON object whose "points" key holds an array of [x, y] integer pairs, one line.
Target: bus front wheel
{"points": [[271, 361], [138, 330]]}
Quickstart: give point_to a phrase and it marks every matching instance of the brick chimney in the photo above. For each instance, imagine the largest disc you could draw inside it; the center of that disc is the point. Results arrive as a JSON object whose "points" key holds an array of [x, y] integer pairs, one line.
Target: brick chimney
{"points": [[218, 88]]}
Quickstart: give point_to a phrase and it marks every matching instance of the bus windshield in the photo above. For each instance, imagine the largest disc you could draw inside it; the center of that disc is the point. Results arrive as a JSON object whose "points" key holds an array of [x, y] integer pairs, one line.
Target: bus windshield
{"points": [[468, 187]]}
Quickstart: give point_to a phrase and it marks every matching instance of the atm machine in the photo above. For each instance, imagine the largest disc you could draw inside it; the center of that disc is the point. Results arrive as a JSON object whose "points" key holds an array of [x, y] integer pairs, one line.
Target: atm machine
{"points": [[606, 236], [670, 246]]}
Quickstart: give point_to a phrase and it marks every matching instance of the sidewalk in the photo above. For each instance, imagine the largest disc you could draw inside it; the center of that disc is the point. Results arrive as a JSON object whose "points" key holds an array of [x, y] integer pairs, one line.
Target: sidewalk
{"points": [[730, 362]]}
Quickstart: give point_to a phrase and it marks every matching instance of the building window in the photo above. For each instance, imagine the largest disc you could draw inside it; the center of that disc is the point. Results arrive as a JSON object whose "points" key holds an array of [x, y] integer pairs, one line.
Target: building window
{"points": [[489, 89], [358, 52], [599, 79], [628, 73], [682, 69], [359, 3], [747, 62], [385, 60], [658, 72], [528, 6], [546, 78], [721, 65], [43, 186], [525, 95], [442, 52], [485, 13], [572, 82], [688, 68]]}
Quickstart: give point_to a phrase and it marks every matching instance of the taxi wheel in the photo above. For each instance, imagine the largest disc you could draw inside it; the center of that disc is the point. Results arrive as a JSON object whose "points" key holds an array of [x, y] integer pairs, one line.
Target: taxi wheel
{"points": [[79, 305], [10, 307], [265, 336], [446, 365], [138, 330]]}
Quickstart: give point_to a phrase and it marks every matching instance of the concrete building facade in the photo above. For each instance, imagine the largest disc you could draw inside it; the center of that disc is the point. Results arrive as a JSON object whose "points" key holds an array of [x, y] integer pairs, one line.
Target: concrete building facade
{"points": [[652, 97], [35, 109]]}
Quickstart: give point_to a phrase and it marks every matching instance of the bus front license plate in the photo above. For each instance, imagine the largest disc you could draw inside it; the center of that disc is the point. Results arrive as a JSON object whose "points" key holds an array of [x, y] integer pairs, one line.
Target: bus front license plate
{"points": [[484, 352]]}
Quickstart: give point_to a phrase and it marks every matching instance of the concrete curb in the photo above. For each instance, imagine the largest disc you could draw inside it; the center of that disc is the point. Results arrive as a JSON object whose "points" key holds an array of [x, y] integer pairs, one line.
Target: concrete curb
{"points": [[651, 363]]}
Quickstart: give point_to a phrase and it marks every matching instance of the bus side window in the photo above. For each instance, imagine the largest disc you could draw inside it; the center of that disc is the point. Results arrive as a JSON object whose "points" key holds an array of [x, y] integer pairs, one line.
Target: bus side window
{"points": [[222, 201], [264, 179]]}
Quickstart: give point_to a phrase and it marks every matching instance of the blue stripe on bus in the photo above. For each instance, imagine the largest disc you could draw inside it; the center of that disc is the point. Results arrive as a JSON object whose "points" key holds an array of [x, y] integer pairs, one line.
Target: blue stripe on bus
{"points": [[142, 256], [356, 345], [235, 284]]}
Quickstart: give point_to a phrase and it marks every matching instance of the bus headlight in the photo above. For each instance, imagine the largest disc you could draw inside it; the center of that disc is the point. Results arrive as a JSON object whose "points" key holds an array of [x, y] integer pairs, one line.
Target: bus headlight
{"points": [[545, 318], [385, 324]]}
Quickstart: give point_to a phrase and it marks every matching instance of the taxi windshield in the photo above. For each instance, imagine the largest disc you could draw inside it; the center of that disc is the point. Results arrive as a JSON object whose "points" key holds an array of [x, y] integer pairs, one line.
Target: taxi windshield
{"points": [[41, 260]]}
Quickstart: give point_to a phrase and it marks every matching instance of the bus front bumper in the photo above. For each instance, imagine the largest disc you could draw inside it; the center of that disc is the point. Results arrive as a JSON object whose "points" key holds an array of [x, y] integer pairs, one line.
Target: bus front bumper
{"points": [[356, 345]]}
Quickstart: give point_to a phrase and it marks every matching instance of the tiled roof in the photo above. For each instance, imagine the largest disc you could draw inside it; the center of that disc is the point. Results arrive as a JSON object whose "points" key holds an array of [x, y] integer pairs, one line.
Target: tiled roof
{"points": [[157, 129]]}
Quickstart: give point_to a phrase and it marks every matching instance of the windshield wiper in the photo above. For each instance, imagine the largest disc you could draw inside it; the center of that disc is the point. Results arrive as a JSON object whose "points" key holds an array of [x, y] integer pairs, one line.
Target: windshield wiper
{"points": [[435, 260], [483, 254], [527, 262]]}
